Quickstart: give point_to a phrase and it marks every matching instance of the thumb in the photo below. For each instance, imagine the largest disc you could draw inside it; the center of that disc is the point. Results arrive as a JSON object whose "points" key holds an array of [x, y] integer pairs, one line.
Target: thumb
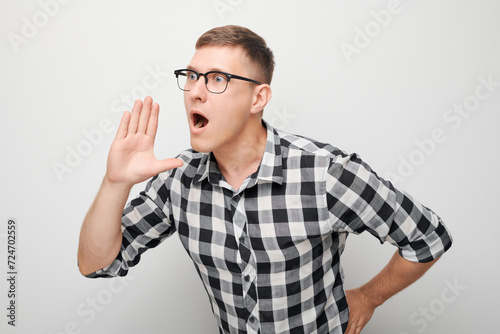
{"points": [[167, 164]]}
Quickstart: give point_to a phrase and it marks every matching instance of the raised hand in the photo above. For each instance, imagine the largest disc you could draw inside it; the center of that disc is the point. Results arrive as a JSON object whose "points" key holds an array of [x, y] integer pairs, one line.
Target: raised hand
{"points": [[131, 158]]}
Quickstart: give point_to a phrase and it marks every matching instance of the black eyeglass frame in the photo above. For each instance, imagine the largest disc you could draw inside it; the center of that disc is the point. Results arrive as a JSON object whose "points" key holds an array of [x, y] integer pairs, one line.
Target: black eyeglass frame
{"points": [[198, 75]]}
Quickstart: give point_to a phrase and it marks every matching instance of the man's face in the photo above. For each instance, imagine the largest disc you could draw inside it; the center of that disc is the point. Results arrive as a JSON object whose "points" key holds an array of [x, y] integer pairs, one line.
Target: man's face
{"points": [[216, 121]]}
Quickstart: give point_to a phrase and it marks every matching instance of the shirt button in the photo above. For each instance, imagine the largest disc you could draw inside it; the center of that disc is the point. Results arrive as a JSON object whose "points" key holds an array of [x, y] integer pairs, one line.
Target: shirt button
{"points": [[242, 240], [251, 319], [247, 278]]}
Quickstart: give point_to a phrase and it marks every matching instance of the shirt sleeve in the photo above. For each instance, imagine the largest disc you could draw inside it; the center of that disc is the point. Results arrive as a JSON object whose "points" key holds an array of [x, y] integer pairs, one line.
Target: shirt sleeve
{"points": [[358, 200], [145, 224]]}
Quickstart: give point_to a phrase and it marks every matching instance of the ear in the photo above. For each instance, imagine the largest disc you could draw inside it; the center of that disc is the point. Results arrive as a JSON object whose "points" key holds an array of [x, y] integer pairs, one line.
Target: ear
{"points": [[262, 95]]}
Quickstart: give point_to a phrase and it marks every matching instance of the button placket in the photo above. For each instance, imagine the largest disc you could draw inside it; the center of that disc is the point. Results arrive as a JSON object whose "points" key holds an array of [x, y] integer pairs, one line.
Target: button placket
{"points": [[247, 262]]}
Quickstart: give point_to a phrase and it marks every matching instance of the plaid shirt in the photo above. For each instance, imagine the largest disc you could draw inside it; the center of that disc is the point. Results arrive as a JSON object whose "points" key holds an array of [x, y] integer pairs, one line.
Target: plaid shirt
{"points": [[268, 253]]}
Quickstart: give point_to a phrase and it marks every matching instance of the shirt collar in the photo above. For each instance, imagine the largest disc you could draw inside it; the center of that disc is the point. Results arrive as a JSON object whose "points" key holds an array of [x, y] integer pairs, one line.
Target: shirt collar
{"points": [[270, 168]]}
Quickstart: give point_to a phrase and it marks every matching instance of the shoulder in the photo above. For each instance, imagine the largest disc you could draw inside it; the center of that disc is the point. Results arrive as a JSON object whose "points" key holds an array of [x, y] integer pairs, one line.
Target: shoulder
{"points": [[298, 144], [303, 152]]}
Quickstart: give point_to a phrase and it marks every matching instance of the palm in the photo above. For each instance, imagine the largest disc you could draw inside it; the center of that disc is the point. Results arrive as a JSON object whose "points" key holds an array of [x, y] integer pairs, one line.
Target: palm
{"points": [[131, 158]]}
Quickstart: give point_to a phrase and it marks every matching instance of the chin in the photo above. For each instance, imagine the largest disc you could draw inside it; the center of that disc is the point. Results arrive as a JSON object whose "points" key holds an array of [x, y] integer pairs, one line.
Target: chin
{"points": [[199, 147]]}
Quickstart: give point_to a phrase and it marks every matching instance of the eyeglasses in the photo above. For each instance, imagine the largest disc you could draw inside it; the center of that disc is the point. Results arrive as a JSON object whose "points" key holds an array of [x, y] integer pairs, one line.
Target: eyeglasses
{"points": [[215, 81]]}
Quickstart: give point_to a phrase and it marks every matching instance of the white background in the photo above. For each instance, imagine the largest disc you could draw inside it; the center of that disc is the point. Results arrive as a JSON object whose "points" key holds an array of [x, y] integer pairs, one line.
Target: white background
{"points": [[67, 74]]}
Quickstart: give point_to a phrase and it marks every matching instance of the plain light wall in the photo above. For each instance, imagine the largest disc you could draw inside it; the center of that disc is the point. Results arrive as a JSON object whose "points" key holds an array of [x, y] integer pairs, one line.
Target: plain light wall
{"points": [[411, 86]]}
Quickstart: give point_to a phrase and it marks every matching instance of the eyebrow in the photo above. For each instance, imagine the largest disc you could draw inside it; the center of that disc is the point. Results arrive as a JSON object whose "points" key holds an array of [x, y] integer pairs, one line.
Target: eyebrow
{"points": [[189, 67]]}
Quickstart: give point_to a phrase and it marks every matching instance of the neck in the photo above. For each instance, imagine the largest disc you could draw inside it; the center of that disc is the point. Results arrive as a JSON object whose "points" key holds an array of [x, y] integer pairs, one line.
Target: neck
{"points": [[242, 158]]}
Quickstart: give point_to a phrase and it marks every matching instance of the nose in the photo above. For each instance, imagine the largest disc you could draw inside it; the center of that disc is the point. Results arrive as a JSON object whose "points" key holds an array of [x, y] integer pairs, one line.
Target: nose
{"points": [[198, 91]]}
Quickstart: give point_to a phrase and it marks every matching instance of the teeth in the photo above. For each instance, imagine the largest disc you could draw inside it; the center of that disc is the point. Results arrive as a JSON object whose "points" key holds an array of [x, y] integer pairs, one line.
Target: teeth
{"points": [[199, 124]]}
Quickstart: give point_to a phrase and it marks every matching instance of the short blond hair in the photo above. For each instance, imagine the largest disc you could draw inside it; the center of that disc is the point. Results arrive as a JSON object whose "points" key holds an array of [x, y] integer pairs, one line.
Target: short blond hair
{"points": [[252, 44]]}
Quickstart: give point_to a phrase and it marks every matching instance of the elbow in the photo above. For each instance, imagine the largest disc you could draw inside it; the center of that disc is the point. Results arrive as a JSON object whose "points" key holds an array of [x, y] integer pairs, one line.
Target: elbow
{"points": [[84, 270]]}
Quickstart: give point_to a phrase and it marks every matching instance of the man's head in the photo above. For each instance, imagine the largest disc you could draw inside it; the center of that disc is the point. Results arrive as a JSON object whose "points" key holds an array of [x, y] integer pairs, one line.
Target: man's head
{"points": [[225, 112], [254, 46]]}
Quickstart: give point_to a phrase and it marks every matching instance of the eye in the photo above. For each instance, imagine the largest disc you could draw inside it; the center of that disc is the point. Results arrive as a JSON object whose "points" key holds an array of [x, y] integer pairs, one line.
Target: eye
{"points": [[192, 76], [217, 78]]}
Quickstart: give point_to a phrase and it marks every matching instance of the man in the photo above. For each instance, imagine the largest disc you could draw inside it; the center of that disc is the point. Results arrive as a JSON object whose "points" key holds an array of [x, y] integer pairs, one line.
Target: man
{"points": [[263, 214]]}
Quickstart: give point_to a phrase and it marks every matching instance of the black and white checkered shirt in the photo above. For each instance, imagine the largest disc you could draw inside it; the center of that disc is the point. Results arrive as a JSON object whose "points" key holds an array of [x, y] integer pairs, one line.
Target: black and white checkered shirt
{"points": [[268, 253]]}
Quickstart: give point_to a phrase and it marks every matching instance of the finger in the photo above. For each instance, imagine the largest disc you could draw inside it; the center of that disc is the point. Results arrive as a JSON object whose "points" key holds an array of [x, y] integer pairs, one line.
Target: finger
{"points": [[122, 128], [353, 327], [348, 329], [351, 330], [136, 111], [153, 121], [145, 114]]}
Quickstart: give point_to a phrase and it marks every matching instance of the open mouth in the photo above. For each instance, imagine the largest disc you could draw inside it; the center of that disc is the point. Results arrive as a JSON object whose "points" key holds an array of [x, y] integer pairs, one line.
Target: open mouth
{"points": [[199, 121]]}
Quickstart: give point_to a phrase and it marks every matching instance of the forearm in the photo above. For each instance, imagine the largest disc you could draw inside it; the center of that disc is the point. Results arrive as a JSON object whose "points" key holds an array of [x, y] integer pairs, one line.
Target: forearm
{"points": [[131, 160], [398, 274], [101, 236]]}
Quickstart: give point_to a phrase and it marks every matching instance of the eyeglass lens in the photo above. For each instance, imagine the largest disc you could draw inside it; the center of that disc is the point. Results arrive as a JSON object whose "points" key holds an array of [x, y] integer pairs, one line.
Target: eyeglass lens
{"points": [[215, 82]]}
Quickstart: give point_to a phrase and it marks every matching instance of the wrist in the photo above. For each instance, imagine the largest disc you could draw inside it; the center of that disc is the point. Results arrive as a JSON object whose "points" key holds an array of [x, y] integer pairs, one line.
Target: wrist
{"points": [[116, 186], [372, 296]]}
